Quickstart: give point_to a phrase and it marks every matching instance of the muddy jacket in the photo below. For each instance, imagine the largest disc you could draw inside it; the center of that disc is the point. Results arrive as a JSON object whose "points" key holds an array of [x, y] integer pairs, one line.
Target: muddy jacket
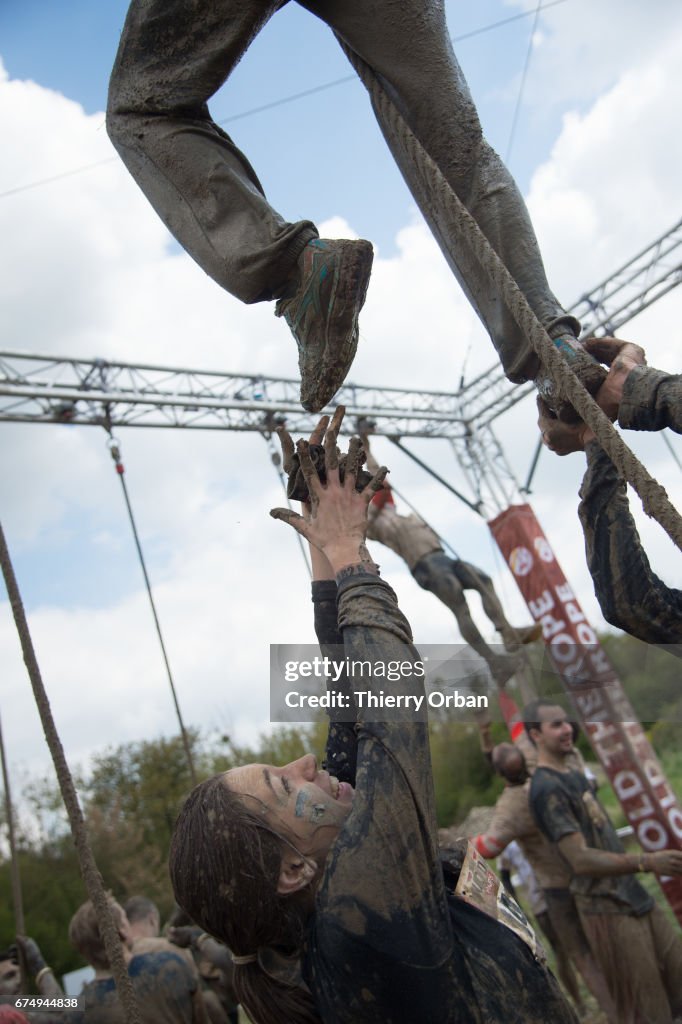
{"points": [[389, 942], [630, 594], [652, 400]]}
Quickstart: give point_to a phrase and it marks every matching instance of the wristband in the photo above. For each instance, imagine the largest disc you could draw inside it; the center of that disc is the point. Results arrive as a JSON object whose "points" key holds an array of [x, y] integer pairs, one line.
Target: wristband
{"points": [[42, 972], [200, 939], [640, 866]]}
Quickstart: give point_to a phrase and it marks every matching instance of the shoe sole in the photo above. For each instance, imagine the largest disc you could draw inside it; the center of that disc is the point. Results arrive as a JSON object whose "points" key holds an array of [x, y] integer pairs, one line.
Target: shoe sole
{"points": [[318, 389]]}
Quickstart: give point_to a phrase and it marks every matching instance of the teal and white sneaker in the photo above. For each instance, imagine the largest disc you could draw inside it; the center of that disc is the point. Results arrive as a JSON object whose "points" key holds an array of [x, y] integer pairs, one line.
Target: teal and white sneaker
{"points": [[323, 314]]}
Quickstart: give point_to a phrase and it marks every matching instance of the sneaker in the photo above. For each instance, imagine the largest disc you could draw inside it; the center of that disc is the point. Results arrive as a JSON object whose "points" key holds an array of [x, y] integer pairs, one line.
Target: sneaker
{"points": [[323, 314], [514, 637], [589, 372]]}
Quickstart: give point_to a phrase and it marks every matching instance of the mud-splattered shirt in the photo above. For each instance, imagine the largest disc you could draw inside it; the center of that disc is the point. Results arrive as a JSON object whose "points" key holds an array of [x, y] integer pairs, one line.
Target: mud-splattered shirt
{"points": [[163, 984], [513, 820], [389, 942], [563, 803]]}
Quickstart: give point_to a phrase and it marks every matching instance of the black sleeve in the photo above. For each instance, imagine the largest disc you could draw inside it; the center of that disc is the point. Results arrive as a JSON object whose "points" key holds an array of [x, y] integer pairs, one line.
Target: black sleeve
{"points": [[630, 594], [341, 748]]}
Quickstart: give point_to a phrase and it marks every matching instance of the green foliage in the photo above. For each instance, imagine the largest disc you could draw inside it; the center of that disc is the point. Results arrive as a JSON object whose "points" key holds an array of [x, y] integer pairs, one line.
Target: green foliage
{"points": [[650, 677], [462, 776], [52, 889]]}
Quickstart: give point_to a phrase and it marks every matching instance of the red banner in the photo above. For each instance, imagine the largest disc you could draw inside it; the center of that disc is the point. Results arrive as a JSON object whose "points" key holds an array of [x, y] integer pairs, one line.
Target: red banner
{"points": [[601, 705]]}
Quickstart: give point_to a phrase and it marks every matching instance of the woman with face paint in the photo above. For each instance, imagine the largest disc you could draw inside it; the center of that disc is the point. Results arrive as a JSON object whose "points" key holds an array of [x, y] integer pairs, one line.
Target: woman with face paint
{"points": [[327, 883]]}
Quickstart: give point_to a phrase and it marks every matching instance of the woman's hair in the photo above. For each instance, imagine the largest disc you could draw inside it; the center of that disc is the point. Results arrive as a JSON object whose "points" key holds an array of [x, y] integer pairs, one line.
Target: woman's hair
{"points": [[224, 865]]}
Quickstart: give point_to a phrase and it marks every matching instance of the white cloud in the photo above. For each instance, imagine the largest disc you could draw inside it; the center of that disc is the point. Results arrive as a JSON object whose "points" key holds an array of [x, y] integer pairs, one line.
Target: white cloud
{"points": [[587, 47], [87, 269]]}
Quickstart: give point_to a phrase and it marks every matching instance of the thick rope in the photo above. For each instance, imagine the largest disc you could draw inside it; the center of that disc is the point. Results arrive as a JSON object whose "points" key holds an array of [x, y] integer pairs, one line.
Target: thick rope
{"points": [[443, 203], [86, 860]]}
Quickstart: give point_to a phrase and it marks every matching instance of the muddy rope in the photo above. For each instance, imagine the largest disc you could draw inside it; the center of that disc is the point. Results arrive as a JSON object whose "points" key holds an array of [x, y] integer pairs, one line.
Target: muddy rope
{"points": [[462, 229], [86, 860]]}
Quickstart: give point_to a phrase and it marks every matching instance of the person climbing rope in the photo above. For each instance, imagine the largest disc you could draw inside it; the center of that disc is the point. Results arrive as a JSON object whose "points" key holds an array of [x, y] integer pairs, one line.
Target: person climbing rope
{"points": [[448, 578], [173, 56], [289, 865], [631, 596]]}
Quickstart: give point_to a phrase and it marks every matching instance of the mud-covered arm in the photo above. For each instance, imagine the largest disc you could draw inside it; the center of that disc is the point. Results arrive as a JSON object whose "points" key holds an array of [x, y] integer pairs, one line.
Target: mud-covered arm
{"points": [[652, 400], [376, 522], [501, 831], [585, 860], [382, 878], [630, 594], [384, 874]]}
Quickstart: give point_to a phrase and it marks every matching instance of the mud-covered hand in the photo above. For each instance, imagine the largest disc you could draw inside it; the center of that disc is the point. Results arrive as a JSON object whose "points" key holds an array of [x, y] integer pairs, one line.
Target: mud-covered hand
{"points": [[621, 357], [288, 447], [664, 862], [561, 438], [33, 958], [337, 520]]}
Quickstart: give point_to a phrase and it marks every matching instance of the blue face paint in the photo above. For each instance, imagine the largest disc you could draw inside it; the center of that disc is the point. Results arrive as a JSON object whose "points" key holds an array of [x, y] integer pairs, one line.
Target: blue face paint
{"points": [[301, 799]]}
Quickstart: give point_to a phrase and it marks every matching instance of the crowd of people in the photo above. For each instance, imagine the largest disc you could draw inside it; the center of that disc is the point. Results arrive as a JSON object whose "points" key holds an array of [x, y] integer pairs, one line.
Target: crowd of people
{"points": [[313, 893], [182, 977]]}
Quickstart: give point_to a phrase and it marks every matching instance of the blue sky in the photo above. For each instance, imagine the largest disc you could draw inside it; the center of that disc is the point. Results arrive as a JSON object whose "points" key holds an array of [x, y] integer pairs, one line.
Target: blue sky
{"points": [[86, 269], [70, 48]]}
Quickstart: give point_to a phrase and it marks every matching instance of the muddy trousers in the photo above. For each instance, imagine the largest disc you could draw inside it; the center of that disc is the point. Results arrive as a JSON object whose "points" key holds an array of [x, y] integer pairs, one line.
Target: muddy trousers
{"points": [[175, 54], [641, 959]]}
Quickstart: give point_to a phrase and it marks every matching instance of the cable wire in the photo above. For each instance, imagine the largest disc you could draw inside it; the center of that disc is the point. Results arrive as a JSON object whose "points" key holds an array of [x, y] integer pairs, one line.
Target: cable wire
{"points": [[522, 85], [278, 103], [116, 456]]}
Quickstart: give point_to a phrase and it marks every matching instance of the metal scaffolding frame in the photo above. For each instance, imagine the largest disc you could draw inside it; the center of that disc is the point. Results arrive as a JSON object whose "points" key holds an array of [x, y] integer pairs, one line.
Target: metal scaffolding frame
{"points": [[52, 389]]}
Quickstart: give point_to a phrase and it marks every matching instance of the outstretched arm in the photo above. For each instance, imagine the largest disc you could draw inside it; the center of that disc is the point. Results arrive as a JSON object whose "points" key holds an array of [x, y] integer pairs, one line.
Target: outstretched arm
{"points": [[341, 747], [631, 596], [393, 821]]}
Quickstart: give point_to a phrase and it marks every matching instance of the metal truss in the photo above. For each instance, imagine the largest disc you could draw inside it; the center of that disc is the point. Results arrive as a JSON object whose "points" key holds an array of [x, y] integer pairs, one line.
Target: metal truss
{"points": [[52, 389]]}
